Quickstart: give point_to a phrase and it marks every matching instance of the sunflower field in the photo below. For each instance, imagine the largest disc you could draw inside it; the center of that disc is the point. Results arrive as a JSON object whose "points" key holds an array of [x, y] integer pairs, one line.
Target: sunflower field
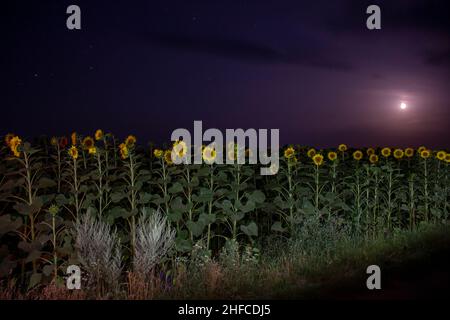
{"points": [[135, 222]]}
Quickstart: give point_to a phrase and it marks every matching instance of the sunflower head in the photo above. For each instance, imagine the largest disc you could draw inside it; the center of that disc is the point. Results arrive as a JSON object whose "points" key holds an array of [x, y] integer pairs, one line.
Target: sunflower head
{"points": [[357, 155], [311, 152], [73, 137], [209, 154], [92, 150], [180, 148], [124, 151], [14, 144], [441, 155], [158, 153], [409, 152], [447, 157], [420, 149], [73, 152], [373, 158], [398, 154], [332, 155], [318, 159], [342, 147], [168, 156], [99, 134], [54, 141], [130, 141], [88, 143], [425, 154], [289, 153], [386, 152], [8, 138], [370, 151]]}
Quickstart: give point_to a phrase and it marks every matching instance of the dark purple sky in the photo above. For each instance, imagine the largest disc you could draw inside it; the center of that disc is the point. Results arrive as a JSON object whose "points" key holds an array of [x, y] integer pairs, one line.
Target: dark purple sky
{"points": [[310, 68]]}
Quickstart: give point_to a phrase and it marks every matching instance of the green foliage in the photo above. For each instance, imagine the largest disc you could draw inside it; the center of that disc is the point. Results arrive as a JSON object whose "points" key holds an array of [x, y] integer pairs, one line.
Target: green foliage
{"points": [[219, 212]]}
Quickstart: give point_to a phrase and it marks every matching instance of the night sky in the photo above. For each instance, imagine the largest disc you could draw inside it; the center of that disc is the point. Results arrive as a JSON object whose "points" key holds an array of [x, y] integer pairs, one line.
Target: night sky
{"points": [[309, 68]]}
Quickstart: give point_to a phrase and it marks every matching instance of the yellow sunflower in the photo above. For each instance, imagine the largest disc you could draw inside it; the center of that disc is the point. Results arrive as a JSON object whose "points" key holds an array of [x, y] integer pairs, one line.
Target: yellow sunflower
{"points": [[14, 144], [357, 155], [130, 141], [398, 154], [370, 151], [73, 152], [409, 152], [342, 147], [386, 152], [158, 153], [421, 148], [311, 152], [441, 155], [99, 134], [425, 154], [168, 156], [73, 137], [318, 159], [289, 153], [373, 158], [447, 157], [88, 143], [209, 155], [180, 148], [124, 152], [332, 155], [92, 150]]}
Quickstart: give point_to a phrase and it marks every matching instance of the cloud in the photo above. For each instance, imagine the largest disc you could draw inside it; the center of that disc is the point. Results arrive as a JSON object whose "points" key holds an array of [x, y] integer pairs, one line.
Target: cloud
{"points": [[250, 51], [233, 48]]}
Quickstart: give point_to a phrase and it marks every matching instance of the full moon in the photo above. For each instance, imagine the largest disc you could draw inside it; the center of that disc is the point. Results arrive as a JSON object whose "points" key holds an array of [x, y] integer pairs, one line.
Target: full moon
{"points": [[403, 106]]}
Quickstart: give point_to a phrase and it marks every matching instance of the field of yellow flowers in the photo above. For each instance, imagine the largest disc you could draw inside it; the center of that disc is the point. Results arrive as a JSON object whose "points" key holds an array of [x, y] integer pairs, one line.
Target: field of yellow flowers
{"points": [[127, 215]]}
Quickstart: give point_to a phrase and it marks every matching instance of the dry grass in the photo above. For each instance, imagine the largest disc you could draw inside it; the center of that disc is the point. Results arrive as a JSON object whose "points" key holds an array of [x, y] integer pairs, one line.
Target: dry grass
{"points": [[47, 292], [143, 287], [213, 278], [55, 292]]}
